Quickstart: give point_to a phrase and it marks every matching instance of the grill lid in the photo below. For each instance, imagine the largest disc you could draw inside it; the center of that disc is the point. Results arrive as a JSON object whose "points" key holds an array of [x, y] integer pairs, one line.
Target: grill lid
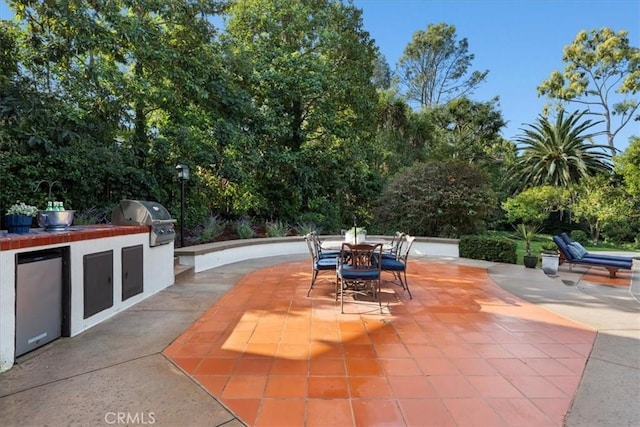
{"points": [[140, 212]]}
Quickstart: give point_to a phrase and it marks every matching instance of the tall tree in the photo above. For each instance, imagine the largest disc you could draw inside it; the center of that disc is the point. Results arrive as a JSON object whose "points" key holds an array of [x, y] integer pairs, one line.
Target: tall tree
{"points": [[309, 67], [599, 202], [559, 153], [599, 65], [382, 75], [402, 135], [627, 164], [114, 77], [467, 130], [434, 67]]}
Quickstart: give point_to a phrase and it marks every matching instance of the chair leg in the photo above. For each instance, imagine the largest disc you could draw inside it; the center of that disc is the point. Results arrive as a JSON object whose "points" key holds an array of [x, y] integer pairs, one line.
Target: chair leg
{"points": [[313, 281], [398, 276], [406, 284]]}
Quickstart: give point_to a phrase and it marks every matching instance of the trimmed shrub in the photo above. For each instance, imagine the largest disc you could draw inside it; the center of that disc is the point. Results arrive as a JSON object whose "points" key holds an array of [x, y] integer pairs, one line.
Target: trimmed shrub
{"points": [[488, 248], [439, 198]]}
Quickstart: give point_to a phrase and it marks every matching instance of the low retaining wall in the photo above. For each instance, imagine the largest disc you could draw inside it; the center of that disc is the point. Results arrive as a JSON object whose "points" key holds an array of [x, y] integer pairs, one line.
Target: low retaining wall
{"points": [[212, 255]]}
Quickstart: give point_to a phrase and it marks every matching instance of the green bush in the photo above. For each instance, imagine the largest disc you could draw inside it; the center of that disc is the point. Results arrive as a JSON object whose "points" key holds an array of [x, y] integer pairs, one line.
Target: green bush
{"points": [[303, 228], [212, 229], [622, 231], [445, 199], [580, 237], [276, 228], [488, 248], [244, 229], [549, 247]]}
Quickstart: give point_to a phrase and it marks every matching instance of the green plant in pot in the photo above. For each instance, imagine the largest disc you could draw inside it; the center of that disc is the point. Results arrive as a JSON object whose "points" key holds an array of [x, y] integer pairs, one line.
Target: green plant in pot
{"points": [[19, 218], [527, 233], [549, 248]]}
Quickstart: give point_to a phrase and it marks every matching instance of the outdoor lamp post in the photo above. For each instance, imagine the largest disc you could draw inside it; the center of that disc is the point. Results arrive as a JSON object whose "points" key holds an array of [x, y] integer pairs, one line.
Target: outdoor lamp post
{"points": [[183, 175]]}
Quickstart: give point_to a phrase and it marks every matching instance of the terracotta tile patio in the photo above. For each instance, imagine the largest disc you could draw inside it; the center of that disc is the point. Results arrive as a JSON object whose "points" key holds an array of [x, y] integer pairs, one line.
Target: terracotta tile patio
{"points": [[462, 352]]}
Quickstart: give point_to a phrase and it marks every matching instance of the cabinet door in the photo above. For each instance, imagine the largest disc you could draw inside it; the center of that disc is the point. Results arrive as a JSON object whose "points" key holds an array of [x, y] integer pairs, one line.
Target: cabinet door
{"points": [[132, 271], [98, 282]]}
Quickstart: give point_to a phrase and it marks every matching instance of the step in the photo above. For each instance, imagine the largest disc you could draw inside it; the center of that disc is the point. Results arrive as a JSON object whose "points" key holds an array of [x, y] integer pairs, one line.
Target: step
{"points": [[181, 271]]}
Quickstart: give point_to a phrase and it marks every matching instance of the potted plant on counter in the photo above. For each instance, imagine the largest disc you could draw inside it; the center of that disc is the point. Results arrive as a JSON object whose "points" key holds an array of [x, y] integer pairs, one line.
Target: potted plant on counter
{"points": [[550, 259], [19, 218], [527, 233]]}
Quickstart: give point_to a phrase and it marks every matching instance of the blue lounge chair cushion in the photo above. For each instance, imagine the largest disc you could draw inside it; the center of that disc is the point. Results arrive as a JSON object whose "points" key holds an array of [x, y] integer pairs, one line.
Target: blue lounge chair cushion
{"points": [[591, 255], [565, 238], [605, 262], [562, 245]]}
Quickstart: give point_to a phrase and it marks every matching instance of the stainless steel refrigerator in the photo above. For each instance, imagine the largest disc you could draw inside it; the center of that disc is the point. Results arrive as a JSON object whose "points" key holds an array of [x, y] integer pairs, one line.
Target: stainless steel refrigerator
{"points": [[38, 299]]}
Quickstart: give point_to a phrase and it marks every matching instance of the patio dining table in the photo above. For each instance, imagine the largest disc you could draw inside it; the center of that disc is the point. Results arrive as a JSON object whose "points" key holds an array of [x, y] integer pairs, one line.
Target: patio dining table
{"points": [[336, 244]]}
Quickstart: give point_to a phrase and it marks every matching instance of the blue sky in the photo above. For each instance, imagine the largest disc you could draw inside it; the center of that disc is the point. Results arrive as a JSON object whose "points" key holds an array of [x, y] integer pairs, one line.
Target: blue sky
{"points": [[520, 42]]}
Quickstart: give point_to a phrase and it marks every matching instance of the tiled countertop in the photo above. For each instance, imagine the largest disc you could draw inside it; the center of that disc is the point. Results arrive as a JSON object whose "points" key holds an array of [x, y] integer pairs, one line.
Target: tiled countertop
{"points": [[42, 237]]}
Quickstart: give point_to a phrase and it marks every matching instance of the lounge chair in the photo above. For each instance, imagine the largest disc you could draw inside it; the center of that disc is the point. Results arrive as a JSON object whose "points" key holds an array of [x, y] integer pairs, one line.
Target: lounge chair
{"points": [[573, 255], [565, 237]]}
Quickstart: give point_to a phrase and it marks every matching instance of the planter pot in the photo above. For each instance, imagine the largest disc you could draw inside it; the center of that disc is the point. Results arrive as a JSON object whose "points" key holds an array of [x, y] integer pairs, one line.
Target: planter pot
{"points": [[530, 261], [18, 224], [550, 263], [349, 237]]}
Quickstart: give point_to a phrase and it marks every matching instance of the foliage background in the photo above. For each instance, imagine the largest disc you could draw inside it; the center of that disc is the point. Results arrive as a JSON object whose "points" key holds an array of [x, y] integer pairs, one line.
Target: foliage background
{"points": [[288, 113]]}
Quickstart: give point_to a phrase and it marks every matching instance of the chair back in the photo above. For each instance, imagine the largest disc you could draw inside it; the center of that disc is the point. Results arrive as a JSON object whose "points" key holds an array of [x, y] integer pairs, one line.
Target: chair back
{"points": [[562, 247], [311, 245], [405, 248], [362, 256], [396, 243]]}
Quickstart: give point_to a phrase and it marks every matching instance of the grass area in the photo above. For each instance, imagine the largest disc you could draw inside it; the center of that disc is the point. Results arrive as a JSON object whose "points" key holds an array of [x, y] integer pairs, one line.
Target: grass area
{"points": [[541, 239]]}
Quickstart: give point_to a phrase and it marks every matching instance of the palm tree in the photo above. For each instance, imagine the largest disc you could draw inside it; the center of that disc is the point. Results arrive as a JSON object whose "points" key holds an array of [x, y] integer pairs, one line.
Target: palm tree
{"points": [[559, 153]]}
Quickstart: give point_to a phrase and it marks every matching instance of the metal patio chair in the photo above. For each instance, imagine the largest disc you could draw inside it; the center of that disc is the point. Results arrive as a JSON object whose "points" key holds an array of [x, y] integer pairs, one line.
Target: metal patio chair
{"points": [[398, 266], [318, 264], [359, 271]]}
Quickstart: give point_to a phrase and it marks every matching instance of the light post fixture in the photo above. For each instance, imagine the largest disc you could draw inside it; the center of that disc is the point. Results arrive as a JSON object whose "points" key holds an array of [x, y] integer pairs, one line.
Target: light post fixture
{"points": [[183, 176]]}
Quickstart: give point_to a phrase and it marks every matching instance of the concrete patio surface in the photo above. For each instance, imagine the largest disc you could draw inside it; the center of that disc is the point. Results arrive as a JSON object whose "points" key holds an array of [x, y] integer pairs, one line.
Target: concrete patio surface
{"points": [[115, 374]]}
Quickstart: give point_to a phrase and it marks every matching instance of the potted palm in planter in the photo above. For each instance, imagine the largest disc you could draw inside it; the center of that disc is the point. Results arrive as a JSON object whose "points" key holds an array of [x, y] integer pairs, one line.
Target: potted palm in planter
{"points": [[550, 259], [19, 218], [527, 233]]}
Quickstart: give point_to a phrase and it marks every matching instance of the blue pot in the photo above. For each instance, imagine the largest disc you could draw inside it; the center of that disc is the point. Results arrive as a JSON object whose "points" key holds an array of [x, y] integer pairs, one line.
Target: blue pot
{"points": [[18, 224]]}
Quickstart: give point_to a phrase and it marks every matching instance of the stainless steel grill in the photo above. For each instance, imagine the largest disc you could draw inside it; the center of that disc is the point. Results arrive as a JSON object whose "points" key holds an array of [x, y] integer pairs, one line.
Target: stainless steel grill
{"points": [[153, 214]]}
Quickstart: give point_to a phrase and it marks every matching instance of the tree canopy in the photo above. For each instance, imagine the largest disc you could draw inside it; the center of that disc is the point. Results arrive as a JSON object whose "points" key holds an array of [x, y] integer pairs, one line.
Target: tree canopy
{"points": [[599, 64], [434, 66], [628, 165], [287, 112], [558, 153], [447, 199], [309, 66]]}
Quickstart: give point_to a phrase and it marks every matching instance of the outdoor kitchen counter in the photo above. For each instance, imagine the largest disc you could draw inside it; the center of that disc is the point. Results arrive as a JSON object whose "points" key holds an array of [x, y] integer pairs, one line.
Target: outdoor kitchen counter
{"points": [[42, 237], [106, 269]]}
